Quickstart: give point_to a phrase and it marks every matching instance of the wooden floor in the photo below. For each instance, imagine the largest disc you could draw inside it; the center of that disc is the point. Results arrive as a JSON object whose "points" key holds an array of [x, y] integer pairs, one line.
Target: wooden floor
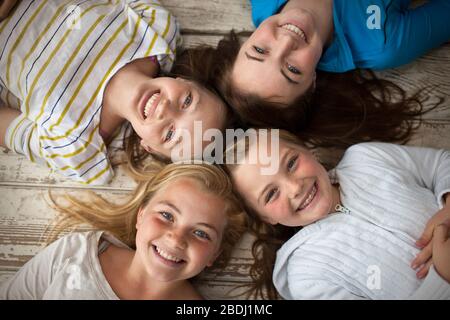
{"points": [[24, 186]]}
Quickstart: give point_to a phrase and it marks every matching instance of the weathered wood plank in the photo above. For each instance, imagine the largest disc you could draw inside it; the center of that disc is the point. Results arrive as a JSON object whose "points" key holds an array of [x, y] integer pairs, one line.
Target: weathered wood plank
{"points": [[24, 213], [212, 16], [25, 216]]}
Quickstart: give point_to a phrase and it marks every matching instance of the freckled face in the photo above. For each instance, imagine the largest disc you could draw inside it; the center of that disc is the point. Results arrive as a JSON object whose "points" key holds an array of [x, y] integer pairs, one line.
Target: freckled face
{"points": [[179, 231]]}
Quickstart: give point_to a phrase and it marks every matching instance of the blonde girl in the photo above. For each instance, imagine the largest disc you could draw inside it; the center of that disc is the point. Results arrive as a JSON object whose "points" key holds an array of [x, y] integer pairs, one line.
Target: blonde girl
{"points": [[74, 74], [179, 221], [350, 233]]}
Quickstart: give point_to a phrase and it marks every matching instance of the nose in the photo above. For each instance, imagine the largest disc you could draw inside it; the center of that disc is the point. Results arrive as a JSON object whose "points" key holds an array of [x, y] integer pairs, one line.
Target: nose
{"points": [[294, 187], [162, 109], [176, 239], [285, 44]]}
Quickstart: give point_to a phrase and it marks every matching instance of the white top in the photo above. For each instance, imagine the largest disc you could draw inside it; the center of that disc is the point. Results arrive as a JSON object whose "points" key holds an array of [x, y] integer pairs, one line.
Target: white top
{"points": [[68, 268], [391, 192], [56, 58]]}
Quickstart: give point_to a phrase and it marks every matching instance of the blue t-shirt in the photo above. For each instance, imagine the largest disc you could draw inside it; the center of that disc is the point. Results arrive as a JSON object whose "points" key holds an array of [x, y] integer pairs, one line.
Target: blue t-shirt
{"points": [[375, 34]]}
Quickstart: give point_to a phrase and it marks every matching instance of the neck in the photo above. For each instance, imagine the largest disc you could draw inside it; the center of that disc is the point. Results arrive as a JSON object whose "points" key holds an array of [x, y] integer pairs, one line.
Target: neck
{"points": [[322, 12]]}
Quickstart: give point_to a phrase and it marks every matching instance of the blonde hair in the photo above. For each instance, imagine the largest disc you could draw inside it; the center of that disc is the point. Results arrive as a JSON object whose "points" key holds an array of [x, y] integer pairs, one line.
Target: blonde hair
{"points": [[120, 219]]}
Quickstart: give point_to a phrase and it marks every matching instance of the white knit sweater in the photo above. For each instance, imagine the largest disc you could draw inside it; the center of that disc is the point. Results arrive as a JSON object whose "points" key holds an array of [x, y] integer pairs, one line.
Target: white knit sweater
{"points": [[391, 192]]}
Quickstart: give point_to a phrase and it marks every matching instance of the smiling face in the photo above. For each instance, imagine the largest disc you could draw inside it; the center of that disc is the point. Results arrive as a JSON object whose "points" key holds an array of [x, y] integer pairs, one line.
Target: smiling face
{"points": [[279, 59], [298, 194], [180, 230], [159, 109]]}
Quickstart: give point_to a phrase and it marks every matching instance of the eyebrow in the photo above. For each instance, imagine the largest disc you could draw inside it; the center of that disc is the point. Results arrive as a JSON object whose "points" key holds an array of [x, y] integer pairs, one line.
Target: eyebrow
{"points": [[283, 159], [253, 58], [281, 70], [287, 78], [171, 205]]}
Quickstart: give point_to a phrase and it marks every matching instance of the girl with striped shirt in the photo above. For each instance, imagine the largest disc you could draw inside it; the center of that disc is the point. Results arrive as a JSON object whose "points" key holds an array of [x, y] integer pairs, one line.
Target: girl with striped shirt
{"points": [[74, 72]]}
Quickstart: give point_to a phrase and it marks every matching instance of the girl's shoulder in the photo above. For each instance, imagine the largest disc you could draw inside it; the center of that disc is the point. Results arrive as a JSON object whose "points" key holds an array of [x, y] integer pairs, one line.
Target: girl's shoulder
{"points": [[76, 241], [369, 152]]}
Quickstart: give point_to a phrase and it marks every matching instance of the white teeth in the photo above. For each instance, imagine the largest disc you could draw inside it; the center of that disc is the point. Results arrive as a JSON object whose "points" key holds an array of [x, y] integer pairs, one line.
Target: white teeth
{"points": [[309, 198], [149, 104], [295, 29], [167, 256]]}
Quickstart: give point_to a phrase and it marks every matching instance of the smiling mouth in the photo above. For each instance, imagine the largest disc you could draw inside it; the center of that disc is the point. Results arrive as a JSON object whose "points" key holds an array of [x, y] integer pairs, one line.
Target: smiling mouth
{"points": [[168, 258], [309, 198], [149, 103], [296, 30]]}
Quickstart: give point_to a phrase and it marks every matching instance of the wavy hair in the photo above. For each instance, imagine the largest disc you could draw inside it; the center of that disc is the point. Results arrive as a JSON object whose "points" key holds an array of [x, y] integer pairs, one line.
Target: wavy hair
{"points": [[120, 219]]}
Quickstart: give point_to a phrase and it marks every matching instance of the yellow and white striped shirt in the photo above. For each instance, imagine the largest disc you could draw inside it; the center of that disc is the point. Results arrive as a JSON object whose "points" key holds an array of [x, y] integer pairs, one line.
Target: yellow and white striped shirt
{"points": [[56, 58]]}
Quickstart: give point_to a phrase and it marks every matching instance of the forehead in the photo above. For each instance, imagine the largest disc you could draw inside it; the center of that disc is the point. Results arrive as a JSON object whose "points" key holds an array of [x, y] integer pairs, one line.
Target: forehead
{"points": [[211, 109], [248, 174], [192, 199]]}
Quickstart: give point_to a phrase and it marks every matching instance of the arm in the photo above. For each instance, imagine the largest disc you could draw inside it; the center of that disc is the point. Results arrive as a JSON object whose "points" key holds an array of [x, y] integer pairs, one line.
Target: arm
{"points": [[295, 282], [425, 167], [319, 290], [5, 7], [437, 284], [424, 28], [7, 115]]}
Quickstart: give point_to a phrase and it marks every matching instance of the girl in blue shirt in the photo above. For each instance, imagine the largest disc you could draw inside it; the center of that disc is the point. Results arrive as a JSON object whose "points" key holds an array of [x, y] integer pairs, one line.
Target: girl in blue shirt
{"points": [[292, 60]]}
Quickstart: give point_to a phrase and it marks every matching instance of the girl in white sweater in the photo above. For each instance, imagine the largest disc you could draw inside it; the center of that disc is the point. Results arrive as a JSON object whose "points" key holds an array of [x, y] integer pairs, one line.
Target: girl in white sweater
{"points": [[180, 220], [360, 221]]}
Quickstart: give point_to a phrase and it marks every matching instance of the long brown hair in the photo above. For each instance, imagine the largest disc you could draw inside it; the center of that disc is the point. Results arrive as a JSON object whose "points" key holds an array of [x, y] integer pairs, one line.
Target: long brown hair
{"points": [[342, 109], [120, 219], [268, 238]]}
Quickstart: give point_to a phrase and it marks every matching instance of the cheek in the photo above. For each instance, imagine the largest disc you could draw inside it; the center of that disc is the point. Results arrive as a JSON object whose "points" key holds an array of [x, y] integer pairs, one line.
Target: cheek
{"points": [[277, 210], [150, 135], [201, 251], [150, 229]]}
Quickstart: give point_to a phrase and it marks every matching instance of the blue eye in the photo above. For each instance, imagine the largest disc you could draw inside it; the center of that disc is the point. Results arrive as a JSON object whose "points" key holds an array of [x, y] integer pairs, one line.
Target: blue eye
{"points": [[270, 195], [202, 234], [259, 50], [167, 216], [291, 163], [293, 69], [187, 101]]}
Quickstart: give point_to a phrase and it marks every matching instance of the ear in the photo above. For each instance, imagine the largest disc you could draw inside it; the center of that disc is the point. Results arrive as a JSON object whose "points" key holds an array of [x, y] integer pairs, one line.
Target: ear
{"points": [[139, 217], [146, 147], [211, 262]]}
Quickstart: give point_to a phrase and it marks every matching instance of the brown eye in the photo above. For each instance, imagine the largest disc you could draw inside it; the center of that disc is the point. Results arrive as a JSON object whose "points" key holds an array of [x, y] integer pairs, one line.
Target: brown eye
{"points": [[292, 69], [291, 163], [270, 195]]}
